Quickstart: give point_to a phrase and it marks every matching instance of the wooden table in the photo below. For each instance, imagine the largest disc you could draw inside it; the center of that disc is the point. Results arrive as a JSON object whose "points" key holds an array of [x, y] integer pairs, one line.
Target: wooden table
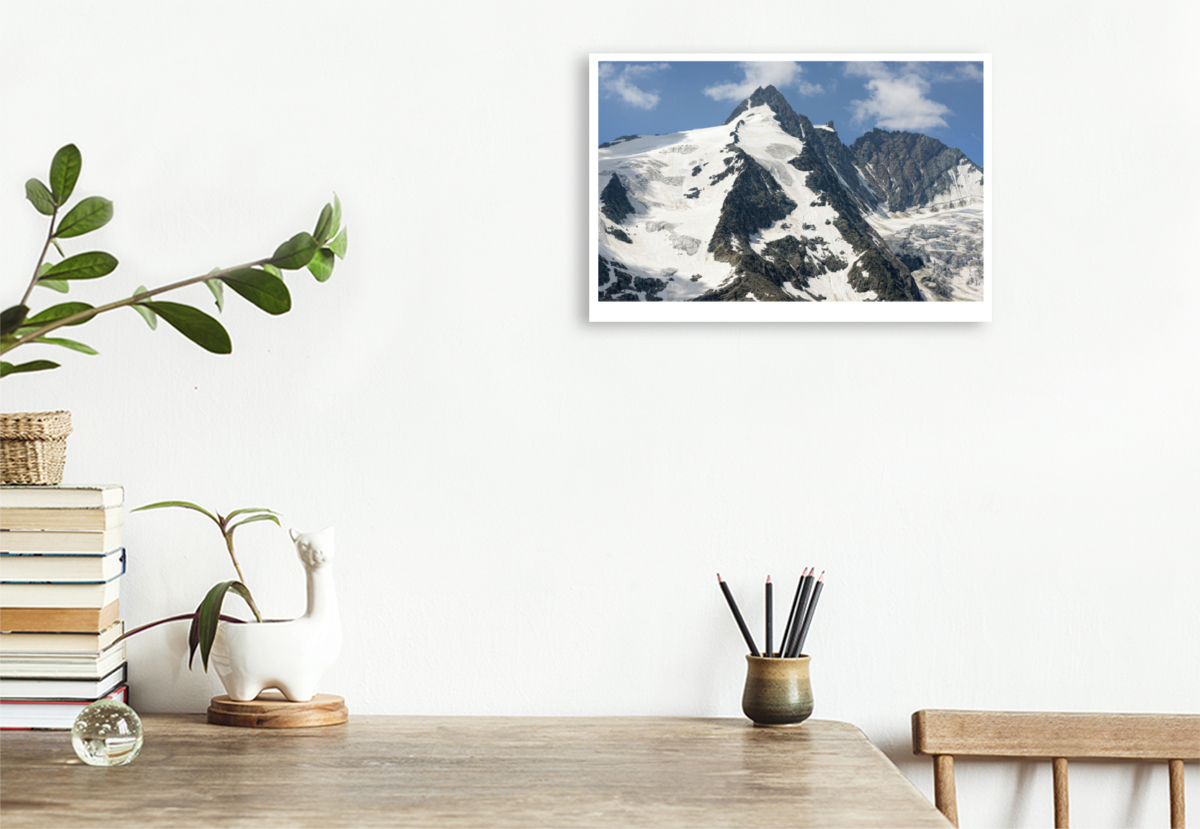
{"points": [[466, 771]]}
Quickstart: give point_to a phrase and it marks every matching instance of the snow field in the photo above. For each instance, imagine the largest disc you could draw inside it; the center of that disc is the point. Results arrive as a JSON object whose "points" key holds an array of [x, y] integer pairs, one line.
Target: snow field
{"points": [[946, 232]]}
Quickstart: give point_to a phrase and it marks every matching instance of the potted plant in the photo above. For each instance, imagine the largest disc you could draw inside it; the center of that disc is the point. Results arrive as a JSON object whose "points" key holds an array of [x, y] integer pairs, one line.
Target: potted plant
{"points": [[249, 657], [32, 445]]}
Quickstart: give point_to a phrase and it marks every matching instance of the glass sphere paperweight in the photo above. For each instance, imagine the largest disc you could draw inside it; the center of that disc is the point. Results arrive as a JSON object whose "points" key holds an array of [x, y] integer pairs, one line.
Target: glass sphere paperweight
{"points": [[107, 733]]}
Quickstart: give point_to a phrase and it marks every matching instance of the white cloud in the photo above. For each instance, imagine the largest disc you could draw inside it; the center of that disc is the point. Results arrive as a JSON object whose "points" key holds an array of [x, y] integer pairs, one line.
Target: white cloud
{"points": [[636, 70], [868, 69], [622, 84], [899, 100], [941, 71], [762, 73], [968, 72]]}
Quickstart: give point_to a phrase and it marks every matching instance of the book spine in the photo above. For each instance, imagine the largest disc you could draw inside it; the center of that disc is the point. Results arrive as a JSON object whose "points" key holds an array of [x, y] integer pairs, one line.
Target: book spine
{"points": [[61, 581]]}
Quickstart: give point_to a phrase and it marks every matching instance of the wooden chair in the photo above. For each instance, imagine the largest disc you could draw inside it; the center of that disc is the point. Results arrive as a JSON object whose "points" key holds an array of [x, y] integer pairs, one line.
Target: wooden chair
{"points": [[945, 735]]}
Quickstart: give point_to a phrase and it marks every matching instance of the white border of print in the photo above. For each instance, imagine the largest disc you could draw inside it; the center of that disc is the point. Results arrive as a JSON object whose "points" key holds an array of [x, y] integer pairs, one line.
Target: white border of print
{"points": [[789, 311]]}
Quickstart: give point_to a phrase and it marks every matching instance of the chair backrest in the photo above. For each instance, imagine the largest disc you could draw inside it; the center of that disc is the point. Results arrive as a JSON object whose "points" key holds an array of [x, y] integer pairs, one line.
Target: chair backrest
{"points": [[944, 735]]}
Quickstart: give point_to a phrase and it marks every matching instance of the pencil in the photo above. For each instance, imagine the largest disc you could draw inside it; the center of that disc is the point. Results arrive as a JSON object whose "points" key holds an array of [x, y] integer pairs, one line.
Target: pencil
{"points": [[805, 587], [770, 614], [737, 615], [791, 622], [808, 616], [793, 649]]}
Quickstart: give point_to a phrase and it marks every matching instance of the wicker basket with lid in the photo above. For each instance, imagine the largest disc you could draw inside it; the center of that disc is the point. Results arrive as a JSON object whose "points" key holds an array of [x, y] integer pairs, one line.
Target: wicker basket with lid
{"points": [[33, 447]]}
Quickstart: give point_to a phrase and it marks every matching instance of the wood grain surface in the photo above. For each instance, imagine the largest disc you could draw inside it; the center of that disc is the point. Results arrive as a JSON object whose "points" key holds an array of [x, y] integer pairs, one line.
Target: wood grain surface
{"points": [[271, 709], [1052, 734], [466, 771]]}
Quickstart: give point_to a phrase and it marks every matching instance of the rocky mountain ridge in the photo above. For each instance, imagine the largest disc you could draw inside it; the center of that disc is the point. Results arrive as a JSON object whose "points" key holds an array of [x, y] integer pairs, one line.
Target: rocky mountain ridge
{"points": [[909, 170]]}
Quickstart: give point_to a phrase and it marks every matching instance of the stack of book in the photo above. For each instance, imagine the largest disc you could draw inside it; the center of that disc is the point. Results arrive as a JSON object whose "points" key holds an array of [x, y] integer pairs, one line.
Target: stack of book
{"points": [[61, 562]]}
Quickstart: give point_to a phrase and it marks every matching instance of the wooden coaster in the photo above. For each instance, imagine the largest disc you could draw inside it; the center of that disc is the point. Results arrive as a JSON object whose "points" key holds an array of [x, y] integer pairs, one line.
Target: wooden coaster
{"points": [[271, 709]]}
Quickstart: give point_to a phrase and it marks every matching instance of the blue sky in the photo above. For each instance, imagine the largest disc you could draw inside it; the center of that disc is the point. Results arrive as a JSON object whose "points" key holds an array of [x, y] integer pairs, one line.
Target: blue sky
{"points": [[943, 99]]}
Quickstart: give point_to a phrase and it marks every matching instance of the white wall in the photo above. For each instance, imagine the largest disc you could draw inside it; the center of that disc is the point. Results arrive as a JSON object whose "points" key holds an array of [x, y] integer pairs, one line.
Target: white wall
{"points": [[530, 509]]}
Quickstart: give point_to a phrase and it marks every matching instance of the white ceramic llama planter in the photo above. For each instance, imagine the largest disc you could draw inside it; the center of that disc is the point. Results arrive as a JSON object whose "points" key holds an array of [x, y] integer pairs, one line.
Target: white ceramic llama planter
{"points": [[291, 655]]}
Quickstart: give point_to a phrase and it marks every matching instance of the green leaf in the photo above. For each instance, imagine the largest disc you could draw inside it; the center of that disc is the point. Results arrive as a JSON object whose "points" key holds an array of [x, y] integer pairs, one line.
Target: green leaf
{"points": [[271, 269], [60, 285], [338, 245], [39, 195], [218, 292], [57, 312], [149, 316], [208, 615], [321, 265], [64, 172], [89, 265], [11, 319], [337, 214], [65, 343], [245, 510], [36, 365], [194, 637], [295, 252], [194, 324], [325, 227], [91, 213], [261, 288], [182, 504], [251, 520]]}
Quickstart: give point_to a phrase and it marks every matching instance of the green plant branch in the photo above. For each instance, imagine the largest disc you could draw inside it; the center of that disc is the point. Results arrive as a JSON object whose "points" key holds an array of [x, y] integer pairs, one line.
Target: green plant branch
{"points": [[227, 532], [260, 282], [233, 557], [37, 269], [83, 316], [178, 618]]}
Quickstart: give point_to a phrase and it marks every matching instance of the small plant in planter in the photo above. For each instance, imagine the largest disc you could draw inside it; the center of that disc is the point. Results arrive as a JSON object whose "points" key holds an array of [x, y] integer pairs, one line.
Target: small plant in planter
{"points": [[291, 655], [260, 281], [206, 616]]}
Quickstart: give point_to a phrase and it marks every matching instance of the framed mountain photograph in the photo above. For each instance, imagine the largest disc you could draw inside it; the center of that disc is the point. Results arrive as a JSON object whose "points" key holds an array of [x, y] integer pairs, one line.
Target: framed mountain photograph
{"points": [[790, 187]]}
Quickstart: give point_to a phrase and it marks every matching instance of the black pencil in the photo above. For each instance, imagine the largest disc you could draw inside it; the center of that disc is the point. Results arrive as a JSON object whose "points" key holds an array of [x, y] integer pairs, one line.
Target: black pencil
{"points": [[789, 647], [791, 622], [792, 644], [737, 615], [808, 616], [770, 614]]}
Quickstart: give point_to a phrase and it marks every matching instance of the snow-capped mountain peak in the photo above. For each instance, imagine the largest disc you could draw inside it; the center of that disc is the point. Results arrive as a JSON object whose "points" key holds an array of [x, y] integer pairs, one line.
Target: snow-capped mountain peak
{"points": [[771, 98], [763, 207]]}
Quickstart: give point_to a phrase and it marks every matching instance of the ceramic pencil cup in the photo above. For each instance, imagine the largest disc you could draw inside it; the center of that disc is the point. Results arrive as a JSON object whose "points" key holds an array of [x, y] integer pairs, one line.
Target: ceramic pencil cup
{"points": [[778, 691]]}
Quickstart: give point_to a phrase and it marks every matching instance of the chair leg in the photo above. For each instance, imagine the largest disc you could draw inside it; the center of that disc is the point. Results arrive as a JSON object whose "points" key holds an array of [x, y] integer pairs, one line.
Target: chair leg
{"points": [[1062, 807], [943, 787], [1178, 820]]}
